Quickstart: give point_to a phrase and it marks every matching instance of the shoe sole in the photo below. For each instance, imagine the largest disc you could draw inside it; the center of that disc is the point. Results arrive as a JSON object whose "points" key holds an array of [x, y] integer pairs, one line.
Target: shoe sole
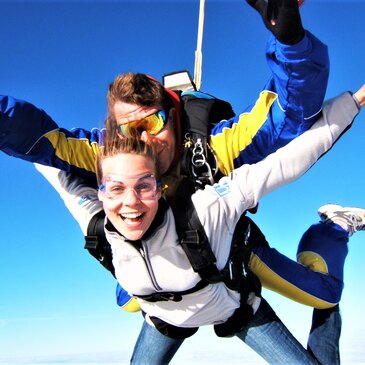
{"points": [[326, 211]]}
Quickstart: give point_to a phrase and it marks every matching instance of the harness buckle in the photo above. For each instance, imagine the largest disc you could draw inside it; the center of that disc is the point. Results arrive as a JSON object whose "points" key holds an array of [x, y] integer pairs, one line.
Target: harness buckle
{"points": [[199, 161]]}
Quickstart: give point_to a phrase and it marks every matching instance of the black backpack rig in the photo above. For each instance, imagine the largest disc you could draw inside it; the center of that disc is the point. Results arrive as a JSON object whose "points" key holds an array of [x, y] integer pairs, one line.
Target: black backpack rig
{"points": [[201, 112]]}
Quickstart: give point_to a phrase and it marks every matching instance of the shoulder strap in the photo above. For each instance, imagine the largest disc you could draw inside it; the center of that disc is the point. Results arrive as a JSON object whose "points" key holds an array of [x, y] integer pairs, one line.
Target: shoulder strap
{"points": [[96, 242], [191, 233]]}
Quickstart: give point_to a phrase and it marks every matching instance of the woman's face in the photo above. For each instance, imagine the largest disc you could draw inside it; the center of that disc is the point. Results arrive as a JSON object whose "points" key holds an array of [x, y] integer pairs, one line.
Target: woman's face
{"points": [[129, 194]]}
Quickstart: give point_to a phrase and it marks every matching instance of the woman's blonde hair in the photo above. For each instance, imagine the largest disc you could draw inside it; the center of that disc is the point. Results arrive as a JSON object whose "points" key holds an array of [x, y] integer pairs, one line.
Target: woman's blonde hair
{"points": [[132, 145]]}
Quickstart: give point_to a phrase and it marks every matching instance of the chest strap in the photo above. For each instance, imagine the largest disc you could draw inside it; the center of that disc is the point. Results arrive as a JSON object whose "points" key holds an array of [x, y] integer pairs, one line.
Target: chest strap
{"points": [[173, 296]]}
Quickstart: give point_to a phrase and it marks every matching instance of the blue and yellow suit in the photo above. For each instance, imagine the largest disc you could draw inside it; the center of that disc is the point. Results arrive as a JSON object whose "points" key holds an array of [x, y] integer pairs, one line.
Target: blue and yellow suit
{"points": [[287, 106]]}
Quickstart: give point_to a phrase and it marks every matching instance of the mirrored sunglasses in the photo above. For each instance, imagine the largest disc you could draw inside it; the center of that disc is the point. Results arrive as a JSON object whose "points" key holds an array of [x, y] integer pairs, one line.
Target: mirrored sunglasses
{"points": [[116, 187], [152, 124]]}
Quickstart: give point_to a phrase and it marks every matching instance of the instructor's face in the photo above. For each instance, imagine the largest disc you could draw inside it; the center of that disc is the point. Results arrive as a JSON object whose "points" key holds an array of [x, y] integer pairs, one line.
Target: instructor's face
{"points": [[164, 141]]}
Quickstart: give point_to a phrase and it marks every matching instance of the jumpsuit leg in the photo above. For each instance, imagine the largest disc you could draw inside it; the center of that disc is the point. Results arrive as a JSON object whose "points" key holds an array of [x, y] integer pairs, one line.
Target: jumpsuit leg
{"points": [[329, 241], [323, 247]]}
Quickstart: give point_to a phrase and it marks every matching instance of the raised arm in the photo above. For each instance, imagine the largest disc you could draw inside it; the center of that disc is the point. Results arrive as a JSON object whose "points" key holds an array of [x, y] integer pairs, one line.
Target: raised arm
{"points": [[293, 160], [291, 100], [252, 182], [29, 133], [298, 60]]}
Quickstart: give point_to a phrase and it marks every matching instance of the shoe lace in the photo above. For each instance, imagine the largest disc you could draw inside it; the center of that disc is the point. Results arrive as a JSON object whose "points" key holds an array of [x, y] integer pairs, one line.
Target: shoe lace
{"points": [[355, 222]]}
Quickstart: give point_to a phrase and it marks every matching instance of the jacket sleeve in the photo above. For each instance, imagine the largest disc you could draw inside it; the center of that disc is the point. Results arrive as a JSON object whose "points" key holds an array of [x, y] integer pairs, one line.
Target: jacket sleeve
{"points": [[293, 160], [83, 203], [29, 133], [289, 104], [80, 199], [243, 188]]}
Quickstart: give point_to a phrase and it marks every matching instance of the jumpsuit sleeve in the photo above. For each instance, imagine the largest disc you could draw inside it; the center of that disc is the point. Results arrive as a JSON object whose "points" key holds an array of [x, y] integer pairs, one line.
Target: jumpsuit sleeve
{"points": [[288, 105], [29, 133], [82, 202]]}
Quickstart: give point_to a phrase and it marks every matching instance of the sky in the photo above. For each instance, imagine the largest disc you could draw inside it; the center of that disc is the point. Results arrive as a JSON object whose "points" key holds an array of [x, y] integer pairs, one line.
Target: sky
{"points": [[57, 303]]}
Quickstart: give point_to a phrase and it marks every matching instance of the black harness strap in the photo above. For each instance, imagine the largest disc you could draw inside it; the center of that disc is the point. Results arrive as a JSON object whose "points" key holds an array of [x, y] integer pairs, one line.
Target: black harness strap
{"points": [[173, 296], [172, 331], [191, 233], [96, 242]]}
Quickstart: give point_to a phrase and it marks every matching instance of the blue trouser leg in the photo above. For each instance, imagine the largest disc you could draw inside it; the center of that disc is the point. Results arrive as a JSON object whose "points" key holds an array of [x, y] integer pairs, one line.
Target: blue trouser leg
{"points": [[324, 335], [267, 335], [153, 348]]}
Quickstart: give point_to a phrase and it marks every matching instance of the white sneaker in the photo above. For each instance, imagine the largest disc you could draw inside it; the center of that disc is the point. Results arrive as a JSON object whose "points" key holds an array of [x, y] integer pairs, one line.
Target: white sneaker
{"points": [[352, 218]]}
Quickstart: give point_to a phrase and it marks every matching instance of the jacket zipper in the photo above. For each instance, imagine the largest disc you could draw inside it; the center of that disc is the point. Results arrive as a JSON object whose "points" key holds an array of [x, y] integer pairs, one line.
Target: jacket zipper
{"points": [[144, 253]]}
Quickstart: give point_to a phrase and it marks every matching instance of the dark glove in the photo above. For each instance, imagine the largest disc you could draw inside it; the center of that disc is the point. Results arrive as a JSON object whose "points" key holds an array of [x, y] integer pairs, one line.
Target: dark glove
{"points": [[282, 18]]}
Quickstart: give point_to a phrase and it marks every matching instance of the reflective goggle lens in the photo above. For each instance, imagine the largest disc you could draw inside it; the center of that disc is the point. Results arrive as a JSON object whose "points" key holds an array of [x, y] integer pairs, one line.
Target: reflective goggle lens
{"points": [[152, 124], [116, 188]]}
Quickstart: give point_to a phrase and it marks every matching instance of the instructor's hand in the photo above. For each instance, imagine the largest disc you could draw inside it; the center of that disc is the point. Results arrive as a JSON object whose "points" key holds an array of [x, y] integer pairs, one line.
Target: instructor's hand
{"points": [[360, 95], [282, 18]]}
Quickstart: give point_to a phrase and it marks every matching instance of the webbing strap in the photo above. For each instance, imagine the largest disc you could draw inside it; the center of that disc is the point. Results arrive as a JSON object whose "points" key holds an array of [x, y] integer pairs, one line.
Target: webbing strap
{"points": [[96, 242], [191, 233], [173, 296]]}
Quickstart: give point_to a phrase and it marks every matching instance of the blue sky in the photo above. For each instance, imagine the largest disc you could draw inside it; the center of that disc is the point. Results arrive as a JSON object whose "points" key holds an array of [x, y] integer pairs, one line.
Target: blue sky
{"points": [[57, 303]]}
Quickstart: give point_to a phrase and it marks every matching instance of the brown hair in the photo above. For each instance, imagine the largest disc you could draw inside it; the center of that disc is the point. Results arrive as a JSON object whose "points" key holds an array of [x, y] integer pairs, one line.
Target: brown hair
{"points": [[134, 88], [131, 145], [137, 88]]}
